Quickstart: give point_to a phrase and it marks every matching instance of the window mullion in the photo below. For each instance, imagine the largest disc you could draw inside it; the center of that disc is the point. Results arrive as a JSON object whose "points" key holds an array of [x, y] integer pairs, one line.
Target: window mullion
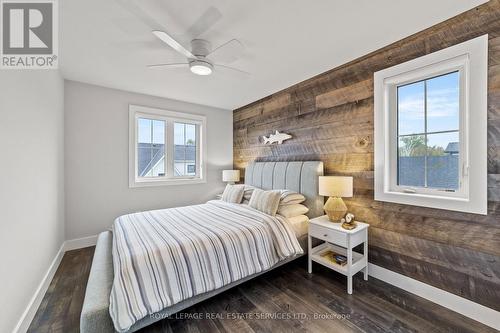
{"points": [[425, 135], [169, 147], [197, 157], [151, 146], [165, 139], [184, 171]]}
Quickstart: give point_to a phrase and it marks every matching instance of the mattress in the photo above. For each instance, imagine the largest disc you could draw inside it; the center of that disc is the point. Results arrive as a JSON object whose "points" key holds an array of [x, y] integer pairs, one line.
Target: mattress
{"points": [[300, 227]]}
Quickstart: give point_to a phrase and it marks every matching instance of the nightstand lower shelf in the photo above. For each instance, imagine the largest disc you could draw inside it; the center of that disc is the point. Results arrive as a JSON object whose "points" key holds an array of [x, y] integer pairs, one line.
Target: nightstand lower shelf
{"points": [[358, 260]]}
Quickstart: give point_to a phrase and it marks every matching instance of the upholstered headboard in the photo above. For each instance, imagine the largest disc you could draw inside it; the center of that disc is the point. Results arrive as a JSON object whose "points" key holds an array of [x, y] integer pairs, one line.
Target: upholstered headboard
{"points": [[301, 177]]}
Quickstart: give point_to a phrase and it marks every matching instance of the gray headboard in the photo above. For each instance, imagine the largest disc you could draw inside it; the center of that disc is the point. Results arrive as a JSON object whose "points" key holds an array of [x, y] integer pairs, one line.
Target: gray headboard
{"points": [[301, 177]]}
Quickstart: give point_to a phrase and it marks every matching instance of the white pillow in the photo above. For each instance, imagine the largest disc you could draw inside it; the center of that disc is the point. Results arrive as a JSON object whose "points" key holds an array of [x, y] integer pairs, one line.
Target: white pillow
{"points": [[265, 201], [292, 210], [290, 197], [233, 193]]}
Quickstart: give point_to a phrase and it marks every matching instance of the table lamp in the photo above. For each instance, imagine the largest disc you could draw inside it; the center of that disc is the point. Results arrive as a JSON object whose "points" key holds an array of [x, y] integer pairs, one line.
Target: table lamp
{"points": [[231, 176], [335, 187]]}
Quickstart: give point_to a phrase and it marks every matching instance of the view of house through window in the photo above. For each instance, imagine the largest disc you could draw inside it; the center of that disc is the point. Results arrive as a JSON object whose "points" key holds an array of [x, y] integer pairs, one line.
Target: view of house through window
{"points": [[150, 147], [184, 149], [428, 133]]}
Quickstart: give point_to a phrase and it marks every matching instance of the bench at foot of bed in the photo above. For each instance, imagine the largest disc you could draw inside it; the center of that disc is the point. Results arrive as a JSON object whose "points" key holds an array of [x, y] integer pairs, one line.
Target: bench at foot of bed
{"points": [[95, 316]]}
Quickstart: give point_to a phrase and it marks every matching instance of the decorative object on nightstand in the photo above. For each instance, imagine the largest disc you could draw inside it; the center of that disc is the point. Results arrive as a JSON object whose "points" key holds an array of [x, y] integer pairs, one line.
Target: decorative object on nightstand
{"points": [[231, 176], [335, 187], [348, 221], [337, 252]]}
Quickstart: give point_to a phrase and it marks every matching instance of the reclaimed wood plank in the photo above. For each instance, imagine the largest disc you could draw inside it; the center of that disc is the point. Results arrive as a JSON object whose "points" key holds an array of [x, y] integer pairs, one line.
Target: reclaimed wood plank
{"points": [[458, 283], [463, 234], [348, 94], [474, 264], [264, 107]]}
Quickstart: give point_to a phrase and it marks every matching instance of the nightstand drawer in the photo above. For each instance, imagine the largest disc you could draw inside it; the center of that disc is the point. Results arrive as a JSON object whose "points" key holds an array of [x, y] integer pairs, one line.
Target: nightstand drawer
{"points": [[328, 235]]}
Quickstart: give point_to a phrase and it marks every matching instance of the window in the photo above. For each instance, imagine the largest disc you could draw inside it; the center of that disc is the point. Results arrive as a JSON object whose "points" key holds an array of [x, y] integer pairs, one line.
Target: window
{"points": [[166, 148], [428, 113], [430, 130]]}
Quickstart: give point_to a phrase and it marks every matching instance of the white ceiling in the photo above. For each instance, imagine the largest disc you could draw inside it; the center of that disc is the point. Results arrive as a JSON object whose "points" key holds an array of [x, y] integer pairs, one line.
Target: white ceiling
{"points": [[286, 41]]}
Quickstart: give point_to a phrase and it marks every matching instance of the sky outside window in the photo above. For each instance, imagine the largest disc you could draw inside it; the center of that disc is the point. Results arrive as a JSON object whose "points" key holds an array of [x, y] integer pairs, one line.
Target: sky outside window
{"points": [[442, 105]]}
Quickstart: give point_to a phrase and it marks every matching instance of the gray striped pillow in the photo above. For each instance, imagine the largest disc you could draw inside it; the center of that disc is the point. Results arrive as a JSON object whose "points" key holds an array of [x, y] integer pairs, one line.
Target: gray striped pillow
{"points": [[265, 201], [247, 194], [233, 193]]}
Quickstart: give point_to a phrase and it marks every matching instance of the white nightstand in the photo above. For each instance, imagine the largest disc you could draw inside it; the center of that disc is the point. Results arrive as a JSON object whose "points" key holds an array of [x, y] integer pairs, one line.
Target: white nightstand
{"points": [[341, 241]]}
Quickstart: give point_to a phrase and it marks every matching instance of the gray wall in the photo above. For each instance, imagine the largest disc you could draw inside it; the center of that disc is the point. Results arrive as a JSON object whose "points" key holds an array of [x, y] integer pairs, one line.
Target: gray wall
{"points": [[96, 158], [32, 189]]}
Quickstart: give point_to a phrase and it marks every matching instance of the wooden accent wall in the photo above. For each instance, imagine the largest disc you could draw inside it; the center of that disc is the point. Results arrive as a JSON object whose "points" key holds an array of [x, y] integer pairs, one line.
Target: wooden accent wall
{"points": [[331, 119]]}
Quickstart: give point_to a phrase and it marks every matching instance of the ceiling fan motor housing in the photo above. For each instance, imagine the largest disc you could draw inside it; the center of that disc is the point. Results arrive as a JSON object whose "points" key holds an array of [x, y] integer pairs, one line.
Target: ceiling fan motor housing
{"points": [[201, 65], [200, 47]]}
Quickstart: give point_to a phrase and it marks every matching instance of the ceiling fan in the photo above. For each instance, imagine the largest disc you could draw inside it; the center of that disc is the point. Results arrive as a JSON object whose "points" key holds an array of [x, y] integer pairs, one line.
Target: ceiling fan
{"points": [[202, 60]]}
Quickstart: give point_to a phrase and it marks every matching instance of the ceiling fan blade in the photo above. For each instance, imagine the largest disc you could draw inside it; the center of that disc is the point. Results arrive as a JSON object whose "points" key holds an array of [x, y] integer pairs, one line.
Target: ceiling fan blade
{"points": [[139, 13], [204, 22], [227, 52], [173, 65], [158, 29], [232, 69], [167, 39]]}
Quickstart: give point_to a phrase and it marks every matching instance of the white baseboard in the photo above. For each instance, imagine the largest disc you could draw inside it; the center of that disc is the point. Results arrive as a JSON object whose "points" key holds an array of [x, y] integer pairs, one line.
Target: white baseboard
{"points": [[28, 314], [79, 243], [451, 301]]}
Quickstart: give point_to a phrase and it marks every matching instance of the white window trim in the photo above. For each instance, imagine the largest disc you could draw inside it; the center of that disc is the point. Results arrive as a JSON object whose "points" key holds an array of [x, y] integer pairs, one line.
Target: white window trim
{"points": [[471, 59], [137, 111]]}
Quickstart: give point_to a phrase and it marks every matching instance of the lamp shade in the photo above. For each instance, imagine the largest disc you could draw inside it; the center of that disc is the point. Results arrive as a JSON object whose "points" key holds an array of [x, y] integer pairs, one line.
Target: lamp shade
{"points": [[335, 186], [230, 175]]}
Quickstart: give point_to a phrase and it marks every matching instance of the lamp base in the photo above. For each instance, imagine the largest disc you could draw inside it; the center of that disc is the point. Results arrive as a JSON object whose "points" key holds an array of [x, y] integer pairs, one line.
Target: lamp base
{"points": [[335, 208]]}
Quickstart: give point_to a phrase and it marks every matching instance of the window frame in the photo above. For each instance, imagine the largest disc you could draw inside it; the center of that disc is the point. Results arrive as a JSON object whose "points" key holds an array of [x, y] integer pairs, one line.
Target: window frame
{"points": [[170, 117], [470, 60]]}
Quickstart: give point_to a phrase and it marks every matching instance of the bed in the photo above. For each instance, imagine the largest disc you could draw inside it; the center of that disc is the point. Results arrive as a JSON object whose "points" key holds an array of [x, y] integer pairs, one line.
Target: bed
{"points": [[300, 177]]}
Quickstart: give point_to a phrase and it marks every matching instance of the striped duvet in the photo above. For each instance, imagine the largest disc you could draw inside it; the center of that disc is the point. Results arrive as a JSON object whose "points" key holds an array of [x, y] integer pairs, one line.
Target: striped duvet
{"points": [[163, 257]]}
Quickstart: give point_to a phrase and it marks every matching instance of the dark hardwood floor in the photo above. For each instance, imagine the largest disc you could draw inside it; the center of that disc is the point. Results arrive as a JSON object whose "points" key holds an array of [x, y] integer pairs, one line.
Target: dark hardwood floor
{"points": [[299, 302]]}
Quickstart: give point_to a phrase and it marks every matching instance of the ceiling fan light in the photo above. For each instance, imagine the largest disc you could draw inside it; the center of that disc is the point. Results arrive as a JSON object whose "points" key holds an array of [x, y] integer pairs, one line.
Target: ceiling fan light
{"points": [[201, 67]]}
